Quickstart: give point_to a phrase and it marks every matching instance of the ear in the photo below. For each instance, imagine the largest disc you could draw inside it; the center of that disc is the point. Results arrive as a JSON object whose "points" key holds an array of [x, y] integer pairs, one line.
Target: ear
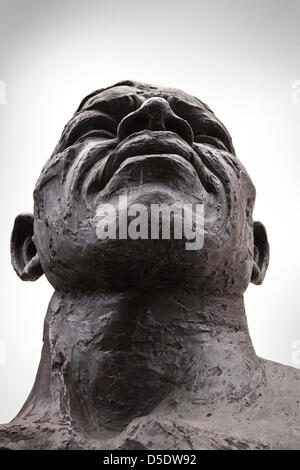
{"points": [[261, 253], [24, 256]]}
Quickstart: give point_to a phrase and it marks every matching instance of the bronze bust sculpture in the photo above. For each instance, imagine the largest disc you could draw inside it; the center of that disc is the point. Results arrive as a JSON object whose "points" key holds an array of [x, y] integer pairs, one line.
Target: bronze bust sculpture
{"points": [[146, 344]]}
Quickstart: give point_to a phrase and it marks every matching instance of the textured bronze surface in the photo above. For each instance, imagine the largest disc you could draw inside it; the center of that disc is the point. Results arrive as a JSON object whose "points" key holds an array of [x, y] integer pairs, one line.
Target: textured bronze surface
{"points": [[146, 344]]}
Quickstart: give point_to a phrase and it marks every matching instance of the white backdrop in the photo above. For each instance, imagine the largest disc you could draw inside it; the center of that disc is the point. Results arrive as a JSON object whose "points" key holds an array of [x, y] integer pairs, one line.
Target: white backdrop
{"points": [[240, 57]]}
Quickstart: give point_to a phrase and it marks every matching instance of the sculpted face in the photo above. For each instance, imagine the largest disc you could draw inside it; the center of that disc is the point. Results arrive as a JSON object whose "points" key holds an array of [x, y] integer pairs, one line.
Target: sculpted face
{"points": [[154, 145]]}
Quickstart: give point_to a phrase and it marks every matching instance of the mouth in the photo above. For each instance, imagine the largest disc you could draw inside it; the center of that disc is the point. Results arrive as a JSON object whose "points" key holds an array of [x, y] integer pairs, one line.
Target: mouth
{"points": [[144, 144]]}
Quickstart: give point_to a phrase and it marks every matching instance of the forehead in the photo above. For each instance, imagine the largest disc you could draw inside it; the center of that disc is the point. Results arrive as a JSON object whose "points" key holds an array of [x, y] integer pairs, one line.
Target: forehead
{"points": [[122, 95]]}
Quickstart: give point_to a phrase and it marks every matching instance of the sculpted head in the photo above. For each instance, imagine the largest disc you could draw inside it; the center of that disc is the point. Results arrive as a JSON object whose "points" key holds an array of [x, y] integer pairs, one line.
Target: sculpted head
{"points": [[155, 145]]}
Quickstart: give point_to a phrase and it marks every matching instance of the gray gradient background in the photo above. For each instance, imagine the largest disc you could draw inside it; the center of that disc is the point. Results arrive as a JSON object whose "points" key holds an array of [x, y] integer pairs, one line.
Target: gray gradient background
{"points": [[240, 57]]}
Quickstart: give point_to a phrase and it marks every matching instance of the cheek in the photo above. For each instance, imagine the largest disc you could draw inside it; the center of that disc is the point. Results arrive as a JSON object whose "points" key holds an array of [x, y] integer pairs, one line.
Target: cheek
{"points": [[67, 256], [47, 236], [243, 251], [234, 266], [56, 223]]}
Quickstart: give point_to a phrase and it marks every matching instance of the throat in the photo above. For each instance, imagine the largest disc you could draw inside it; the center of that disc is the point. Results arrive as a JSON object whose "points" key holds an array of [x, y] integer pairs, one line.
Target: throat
{"points": [[119, 356]]}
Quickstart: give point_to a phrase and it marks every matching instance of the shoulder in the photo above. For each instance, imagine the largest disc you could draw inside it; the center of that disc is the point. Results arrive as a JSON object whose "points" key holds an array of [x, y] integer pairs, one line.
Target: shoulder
{"points": [[281, 378]]}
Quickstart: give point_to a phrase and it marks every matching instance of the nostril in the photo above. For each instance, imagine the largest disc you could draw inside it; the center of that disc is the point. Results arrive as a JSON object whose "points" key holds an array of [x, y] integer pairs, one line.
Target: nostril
{"points": [[180, 127], [132, 124], [155, 114]]}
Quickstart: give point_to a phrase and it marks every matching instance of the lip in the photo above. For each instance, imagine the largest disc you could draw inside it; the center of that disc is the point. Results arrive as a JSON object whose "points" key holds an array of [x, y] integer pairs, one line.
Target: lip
{"points": [[147, 143]]}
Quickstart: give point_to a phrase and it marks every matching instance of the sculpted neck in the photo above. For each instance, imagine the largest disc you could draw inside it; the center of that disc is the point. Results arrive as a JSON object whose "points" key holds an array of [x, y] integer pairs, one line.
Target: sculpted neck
{"points": [[111, 357]]}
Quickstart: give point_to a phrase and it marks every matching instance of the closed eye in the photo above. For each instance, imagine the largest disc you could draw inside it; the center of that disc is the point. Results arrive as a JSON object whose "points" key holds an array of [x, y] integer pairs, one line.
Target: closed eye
{"points": [[89, 124], [206, 127], [211, 132], [99, 134], [213, 141]]}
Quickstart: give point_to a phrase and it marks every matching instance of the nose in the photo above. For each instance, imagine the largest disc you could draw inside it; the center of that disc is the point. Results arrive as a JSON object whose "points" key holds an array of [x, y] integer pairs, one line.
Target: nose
{"points": [[155, 114]]}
